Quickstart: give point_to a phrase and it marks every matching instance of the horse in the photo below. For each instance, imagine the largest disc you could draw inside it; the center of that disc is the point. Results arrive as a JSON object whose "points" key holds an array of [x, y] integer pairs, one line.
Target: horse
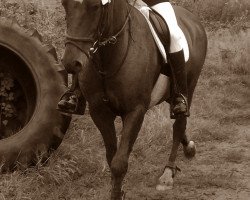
{"points": [[112, 53]]}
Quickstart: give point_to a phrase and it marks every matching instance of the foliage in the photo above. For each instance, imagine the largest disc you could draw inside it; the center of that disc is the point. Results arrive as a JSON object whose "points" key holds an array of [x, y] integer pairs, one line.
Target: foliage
{"points": [[7, 109]]}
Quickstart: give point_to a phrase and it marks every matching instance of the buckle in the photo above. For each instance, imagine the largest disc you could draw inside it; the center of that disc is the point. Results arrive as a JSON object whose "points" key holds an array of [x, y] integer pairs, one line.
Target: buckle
{"points": [[94, 48], [112, 40]]}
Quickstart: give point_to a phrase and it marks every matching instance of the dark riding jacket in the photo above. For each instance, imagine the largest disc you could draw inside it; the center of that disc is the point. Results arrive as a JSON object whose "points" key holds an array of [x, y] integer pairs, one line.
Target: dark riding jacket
{"points": [[154, 2]]}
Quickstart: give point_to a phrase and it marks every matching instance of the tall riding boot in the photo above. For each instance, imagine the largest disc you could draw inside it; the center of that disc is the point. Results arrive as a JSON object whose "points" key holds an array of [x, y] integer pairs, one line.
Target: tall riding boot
{"points": [[179, 104]]}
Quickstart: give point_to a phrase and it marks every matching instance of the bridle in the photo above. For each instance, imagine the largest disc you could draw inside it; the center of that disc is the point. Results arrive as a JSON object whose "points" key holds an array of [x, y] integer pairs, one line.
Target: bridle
{"points": [[98, 40]]}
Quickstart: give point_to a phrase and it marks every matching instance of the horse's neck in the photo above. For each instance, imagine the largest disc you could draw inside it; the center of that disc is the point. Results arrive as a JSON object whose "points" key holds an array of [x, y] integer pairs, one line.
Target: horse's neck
{"points": [[119, 13], [112, 55]]}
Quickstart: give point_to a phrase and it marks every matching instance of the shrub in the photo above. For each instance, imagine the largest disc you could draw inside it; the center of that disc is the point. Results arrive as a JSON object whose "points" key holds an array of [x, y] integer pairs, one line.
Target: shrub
{"points": [[7, 108], [6, 96], [219, 12]]}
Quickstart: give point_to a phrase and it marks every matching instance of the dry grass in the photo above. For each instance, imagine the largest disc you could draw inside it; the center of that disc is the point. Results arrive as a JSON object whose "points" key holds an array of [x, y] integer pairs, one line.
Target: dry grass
{"points": [[46, 16], [220, 13], [219, 124]]}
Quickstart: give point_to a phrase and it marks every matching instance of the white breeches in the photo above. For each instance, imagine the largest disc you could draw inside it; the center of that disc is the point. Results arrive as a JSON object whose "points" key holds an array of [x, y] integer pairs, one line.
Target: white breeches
{"points": [[176, 35]]}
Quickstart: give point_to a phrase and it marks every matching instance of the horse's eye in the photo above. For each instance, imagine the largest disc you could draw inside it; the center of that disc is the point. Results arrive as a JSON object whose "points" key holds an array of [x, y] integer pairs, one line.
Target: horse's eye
{"points": [[93, 5]]}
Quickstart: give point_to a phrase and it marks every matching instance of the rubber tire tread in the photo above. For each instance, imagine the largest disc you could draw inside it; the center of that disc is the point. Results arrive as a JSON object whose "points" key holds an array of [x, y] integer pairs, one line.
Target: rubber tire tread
{"points": [[46, 128]]}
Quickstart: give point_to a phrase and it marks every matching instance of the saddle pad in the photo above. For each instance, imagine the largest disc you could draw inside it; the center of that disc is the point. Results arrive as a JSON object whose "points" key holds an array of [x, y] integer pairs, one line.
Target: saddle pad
{"points": [[144, 9]]}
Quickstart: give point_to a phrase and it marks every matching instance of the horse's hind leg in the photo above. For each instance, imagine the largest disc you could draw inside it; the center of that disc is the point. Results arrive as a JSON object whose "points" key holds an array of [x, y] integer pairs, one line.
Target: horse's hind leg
{"points": [[179, 136], [165, 182], [132, 122], [104, 120], [188, 146]]}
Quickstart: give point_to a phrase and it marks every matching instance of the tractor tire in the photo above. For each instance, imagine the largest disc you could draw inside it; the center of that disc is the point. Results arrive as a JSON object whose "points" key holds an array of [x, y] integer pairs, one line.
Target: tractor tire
{"points": [[37, 70]]}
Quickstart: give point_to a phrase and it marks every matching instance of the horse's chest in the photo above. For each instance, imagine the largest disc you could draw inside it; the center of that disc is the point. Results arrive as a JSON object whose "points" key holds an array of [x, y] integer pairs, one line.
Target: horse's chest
{"points": [[121, 92]]}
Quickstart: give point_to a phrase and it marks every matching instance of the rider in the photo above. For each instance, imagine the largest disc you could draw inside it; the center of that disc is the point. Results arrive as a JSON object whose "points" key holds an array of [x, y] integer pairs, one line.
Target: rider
{"points": [[176, 58], [179, 105]]}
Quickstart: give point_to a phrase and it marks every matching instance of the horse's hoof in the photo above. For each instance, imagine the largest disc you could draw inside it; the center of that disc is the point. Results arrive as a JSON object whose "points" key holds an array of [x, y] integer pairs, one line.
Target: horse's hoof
{"points": [[164, 187], [189, 150], [166, 181]]}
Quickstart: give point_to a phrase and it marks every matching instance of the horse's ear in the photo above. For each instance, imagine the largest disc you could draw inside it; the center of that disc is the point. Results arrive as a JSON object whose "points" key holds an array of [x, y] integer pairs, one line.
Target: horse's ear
{"points": [[63, 2]]}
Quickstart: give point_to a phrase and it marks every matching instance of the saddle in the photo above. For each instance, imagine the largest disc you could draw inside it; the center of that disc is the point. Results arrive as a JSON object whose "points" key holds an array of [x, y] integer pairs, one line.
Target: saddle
{"points": [[162, 30]]}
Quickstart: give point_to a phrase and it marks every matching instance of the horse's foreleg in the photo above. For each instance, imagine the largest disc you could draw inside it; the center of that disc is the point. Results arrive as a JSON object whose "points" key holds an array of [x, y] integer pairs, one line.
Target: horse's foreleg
{"points": [[166, 180], [131, 126], [104, 120]]}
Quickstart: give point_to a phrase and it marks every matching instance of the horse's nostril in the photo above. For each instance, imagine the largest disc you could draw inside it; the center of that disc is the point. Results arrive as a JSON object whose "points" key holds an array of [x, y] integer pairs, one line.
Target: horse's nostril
{"points": [[76, 64], [73, 67]]}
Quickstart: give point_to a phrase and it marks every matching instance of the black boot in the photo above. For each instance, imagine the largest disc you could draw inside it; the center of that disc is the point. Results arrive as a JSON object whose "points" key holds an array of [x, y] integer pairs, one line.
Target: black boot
{"points": [[72, 101], [179, 105]]}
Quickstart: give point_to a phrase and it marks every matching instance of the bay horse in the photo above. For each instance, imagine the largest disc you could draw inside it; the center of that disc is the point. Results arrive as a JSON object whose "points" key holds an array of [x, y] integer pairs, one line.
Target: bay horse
{"points": [[111, 50]]}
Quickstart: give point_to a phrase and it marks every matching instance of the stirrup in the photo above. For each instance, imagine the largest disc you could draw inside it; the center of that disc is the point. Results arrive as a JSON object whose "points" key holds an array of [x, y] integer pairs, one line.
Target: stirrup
{"points": [[66, 108], [179, 115], [80, 105], [78, 109]]}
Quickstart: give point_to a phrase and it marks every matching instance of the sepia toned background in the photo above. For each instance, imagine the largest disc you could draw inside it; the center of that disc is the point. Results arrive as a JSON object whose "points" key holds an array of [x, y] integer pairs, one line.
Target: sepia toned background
{"points": [[219, 122]]}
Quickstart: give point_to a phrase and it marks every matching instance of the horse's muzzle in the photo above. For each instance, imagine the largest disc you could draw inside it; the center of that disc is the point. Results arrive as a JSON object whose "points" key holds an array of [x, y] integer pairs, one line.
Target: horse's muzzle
{"points": [[73, 59]]}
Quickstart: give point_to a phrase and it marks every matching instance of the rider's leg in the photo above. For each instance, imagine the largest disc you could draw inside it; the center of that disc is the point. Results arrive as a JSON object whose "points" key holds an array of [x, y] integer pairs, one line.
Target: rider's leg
{"points": [[176, 59]]}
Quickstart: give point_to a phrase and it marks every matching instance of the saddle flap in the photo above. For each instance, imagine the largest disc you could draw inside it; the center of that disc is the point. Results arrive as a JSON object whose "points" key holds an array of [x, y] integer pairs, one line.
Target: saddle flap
{"points": [[161, 28]]}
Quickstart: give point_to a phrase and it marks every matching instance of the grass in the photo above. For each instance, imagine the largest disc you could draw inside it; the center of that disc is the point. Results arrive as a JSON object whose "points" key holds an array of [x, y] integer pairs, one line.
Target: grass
{"points": [[45, 16], [219, 125]]}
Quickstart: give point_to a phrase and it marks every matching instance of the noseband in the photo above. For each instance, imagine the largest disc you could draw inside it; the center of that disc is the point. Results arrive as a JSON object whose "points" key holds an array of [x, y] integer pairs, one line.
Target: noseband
{"points": [[99, 40]]}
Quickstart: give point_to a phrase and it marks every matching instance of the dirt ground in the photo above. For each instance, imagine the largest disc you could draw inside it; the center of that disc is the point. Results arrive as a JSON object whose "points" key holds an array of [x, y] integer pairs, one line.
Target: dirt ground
{"points": [[220, 170]]}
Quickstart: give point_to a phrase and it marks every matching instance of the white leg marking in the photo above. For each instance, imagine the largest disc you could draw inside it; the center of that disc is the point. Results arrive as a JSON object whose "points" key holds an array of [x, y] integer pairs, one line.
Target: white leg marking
{"points": [[190, 150], [166, 181]]}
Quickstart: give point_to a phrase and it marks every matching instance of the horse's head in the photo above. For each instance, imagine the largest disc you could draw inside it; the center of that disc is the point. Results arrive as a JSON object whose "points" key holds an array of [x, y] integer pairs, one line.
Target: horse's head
{"points": [[84, 20]]}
